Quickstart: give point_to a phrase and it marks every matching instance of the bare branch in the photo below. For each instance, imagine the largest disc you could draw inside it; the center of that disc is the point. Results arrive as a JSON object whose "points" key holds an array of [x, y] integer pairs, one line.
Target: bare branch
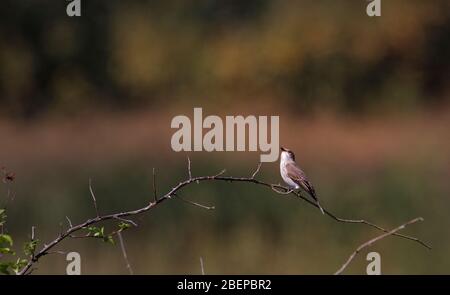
{"points": [[362, 221], [124, 253], [372, 241], [281, 189], [194, 203], [173, 191], [93, 197]]}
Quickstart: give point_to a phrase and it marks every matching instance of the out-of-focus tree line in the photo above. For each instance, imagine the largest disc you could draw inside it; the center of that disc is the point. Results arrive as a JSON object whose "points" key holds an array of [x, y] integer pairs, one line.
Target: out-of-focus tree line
{"points": [[315, 54]]}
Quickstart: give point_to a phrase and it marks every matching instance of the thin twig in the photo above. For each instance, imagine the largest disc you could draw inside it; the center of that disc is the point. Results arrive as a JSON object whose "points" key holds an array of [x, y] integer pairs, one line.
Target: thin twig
{"points": [[189, 168], [32, 249], [93, 197], [124, 253], [372, 241], [70, 222], [256, 171], [288, 192], [194, 203], [32, 232], [201, 266], [220, 173]]}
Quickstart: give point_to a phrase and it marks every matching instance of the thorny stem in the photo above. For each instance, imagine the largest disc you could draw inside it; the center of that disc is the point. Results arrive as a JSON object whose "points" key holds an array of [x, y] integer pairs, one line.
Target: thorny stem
{"points": [[172, 192]]}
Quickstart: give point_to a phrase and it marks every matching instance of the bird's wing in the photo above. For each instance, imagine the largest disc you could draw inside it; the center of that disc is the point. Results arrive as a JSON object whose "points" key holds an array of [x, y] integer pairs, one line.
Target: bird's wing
{"points": [[298, 176]]}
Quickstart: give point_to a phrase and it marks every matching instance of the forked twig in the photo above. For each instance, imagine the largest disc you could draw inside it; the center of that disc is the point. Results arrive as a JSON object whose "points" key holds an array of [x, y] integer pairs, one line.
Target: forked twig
{"points": [[372, 241]]}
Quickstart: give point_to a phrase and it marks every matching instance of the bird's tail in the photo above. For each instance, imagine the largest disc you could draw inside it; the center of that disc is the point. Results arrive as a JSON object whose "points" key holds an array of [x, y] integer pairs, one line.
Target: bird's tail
{"points": [[312, 192]]}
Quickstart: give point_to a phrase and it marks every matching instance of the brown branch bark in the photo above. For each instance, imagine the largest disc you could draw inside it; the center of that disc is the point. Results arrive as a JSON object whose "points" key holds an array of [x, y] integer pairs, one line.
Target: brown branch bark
{"points": [[173, 191]]}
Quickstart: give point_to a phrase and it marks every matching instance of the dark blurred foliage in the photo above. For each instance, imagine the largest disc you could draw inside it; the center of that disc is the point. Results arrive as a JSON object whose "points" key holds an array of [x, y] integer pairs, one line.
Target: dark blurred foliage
{"points": [[125, 54]]}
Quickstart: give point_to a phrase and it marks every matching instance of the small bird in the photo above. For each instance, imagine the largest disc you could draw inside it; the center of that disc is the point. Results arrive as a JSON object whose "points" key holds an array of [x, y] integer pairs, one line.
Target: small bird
{"points": [[294, 177]]}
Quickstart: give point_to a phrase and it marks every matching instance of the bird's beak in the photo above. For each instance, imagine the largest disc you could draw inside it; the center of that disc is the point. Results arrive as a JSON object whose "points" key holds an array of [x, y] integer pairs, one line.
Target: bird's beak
{"points": [[282, 148]]}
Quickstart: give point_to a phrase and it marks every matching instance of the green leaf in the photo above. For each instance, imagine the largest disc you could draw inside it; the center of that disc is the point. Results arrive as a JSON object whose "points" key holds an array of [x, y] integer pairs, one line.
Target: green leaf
{"points": [[95, 231], [20, 263], [4, 268], [124, 226], [109, 239], [2, 216], [6, 239], [30, 247], [6, 250]]}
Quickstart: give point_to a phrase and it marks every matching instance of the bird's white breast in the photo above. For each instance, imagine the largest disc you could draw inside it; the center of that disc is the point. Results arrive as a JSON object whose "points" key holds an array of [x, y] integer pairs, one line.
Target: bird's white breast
{"points": [[284, 174]]}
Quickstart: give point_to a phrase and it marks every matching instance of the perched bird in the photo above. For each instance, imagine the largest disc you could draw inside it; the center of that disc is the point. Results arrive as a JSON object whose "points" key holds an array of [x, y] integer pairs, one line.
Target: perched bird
{"points": [[294, 177]]}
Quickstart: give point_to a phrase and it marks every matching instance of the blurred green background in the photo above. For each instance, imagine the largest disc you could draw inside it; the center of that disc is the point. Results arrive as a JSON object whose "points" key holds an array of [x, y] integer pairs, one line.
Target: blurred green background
{"points": [[364, 103]]}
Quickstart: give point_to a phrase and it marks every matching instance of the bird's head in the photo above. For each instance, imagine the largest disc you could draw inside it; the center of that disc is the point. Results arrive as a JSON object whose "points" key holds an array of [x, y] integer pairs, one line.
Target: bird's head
{"points": [[287, 154]]}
